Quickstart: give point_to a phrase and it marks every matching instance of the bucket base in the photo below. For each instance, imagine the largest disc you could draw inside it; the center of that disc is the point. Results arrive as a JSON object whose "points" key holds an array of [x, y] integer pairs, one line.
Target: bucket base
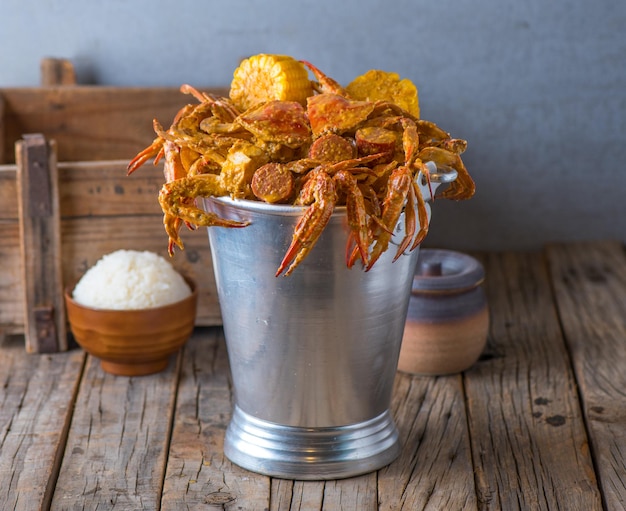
{"points": [[311, 453]]}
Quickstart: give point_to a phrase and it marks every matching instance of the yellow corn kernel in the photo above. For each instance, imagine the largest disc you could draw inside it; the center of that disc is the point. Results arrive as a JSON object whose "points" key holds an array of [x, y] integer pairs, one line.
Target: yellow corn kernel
{"points": [[265, 77], [378, 85]]}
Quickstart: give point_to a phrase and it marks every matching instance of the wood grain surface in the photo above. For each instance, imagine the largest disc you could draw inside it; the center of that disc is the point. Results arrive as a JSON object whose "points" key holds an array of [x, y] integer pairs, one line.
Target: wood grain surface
{"points": [[88, 122], [537, 423], [590, 283]]}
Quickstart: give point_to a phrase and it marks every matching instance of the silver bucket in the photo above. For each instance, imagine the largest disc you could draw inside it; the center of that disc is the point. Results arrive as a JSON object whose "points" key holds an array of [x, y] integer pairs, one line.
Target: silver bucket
{"points": [[313, 355]]}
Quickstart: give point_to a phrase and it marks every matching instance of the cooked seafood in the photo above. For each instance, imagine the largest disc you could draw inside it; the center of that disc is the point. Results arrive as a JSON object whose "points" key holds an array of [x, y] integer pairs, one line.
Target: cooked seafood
{"points": [[282, 138]]}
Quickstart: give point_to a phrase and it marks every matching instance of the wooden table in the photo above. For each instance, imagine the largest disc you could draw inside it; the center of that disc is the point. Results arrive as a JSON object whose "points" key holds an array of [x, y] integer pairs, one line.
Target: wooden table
{"points": [[538, 423]]}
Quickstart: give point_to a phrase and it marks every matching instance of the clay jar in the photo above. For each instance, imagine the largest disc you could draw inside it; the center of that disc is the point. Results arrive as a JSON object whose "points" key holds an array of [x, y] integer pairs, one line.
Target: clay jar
{"points": [[448, 316]]}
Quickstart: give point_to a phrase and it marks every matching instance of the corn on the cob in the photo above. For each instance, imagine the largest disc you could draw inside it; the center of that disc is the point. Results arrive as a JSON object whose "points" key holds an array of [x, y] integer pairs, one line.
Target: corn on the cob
{"points": [[382, 85], [265, 77]]}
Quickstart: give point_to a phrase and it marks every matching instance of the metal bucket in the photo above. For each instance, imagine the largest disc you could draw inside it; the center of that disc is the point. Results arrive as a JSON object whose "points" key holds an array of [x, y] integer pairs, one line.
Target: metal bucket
{"points": [[313, 355]]}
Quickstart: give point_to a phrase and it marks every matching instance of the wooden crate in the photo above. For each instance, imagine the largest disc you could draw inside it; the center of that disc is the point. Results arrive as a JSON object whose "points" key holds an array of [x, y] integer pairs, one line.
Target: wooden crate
{"points": [[94, 132]]}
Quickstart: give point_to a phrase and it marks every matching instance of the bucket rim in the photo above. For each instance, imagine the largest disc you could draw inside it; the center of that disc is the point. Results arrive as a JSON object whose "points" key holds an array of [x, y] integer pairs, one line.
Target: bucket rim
{"points": [[258, 206], [438, 176]]}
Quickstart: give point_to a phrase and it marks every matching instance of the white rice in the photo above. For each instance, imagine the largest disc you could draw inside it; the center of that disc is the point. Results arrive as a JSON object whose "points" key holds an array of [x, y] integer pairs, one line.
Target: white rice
{"points": [[130, 279]]}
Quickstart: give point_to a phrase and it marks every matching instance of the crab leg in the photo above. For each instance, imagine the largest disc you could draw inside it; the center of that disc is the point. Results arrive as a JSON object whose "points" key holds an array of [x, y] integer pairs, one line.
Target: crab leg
{"points": [[463, 186], [373, 210], [357, 216], [152, 151], [177, 202], [320, 192], [173, 169], [422, 214], [398, 189], [409, 223]]}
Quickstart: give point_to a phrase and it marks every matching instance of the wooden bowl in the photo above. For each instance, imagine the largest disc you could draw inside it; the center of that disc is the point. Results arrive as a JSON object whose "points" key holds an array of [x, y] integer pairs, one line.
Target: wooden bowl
{"points": [[133, 342]]}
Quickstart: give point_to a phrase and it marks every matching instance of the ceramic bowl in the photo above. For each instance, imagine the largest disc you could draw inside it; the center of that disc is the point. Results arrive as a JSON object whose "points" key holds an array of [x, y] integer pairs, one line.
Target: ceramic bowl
{"points": [[133, 342]]}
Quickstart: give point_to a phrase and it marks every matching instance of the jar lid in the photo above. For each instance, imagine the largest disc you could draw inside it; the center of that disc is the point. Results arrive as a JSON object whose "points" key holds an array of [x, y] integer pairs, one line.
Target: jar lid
{"points": [[440, 271]]}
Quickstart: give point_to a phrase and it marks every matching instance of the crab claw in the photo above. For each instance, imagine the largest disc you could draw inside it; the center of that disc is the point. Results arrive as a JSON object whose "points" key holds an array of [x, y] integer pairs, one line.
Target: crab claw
{"points": [[326, 83]]}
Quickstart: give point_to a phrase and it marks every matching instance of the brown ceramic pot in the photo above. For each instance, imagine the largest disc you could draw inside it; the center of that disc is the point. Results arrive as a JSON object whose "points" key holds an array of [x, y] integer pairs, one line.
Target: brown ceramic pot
{"points": [[133, 342], [448, 316]]}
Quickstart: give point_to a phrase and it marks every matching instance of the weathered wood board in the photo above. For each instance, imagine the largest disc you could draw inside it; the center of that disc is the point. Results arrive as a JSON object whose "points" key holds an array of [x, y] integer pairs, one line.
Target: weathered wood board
{"points": [[89, 123], [590, 285], [102, 210], [40, 245], [198, 473], [528, 432], [37, 395], [103, 467]]}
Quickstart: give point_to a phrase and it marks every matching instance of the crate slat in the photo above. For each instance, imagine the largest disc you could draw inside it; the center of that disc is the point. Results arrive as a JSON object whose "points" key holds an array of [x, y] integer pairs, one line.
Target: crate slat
{"points": [[89, 122], [40, 245]]}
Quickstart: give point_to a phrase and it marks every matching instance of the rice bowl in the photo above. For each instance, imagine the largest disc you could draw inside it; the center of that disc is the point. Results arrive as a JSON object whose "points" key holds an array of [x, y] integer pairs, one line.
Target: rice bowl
{"points": [[130, 279], [133, 311]]}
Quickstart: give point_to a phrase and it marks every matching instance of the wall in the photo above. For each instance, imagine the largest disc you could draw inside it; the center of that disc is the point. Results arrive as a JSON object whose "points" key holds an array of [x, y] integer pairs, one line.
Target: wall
{"points": [[537, 88]]}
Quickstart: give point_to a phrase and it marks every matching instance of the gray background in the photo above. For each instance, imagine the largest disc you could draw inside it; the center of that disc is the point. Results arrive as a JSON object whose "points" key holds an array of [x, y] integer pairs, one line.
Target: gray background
{"points": [[537, 87]]}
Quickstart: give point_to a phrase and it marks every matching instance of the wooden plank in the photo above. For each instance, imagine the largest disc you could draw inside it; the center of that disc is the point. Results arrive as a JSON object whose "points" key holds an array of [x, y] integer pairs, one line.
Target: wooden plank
{"points": [[436, 455], [85, 240], [102, 210], [103, 188], [2, 131], [8, 193], [352, 494], [529, 443], [90, 122], [99, 188], [11, 285], [11, 310], [198, 474], [287, 495], [37, 394], [590, 285], [40, 242], [57, 72], [117, 446]]}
